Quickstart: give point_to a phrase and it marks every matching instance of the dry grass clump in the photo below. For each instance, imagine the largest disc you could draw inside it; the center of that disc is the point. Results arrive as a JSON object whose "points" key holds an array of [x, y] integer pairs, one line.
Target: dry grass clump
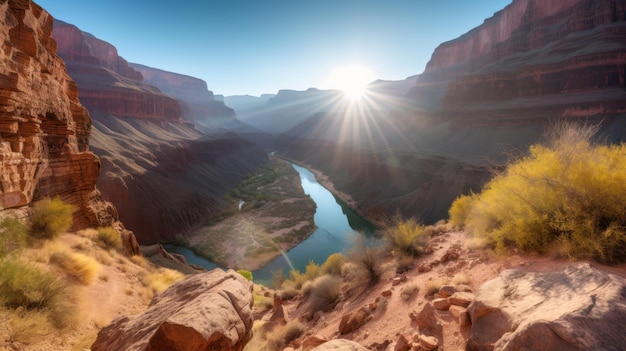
{"points": [[325, 293], [460, 279], [441, 227], [405, 235], [108, 238], [282, 335], [433, 285], [367, 261], [409, 291], [13, 235], [162, 279], [51, 217], [80, 266]]}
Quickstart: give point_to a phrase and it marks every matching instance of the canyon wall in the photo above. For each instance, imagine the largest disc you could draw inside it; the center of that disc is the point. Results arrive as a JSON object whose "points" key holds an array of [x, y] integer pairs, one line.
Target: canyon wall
{"points": [[485, 95], [197, 101], [107, 82], [44, 129]]}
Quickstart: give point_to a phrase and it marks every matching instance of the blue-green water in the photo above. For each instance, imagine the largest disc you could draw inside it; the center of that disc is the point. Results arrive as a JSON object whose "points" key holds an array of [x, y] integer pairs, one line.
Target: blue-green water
{"points": [[335, 222]]}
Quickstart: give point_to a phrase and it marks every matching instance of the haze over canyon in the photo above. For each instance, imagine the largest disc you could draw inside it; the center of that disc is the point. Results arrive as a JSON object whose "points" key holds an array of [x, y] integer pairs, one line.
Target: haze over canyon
{"points": [[157, 155]]}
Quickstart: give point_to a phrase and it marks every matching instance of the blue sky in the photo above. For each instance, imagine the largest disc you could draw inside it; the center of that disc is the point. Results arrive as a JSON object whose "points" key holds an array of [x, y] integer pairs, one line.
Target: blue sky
{"points": [[261, 46]]}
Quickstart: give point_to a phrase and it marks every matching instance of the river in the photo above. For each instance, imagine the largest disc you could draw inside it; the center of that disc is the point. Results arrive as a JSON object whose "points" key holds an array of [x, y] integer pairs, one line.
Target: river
{"points": [[335, 222]]}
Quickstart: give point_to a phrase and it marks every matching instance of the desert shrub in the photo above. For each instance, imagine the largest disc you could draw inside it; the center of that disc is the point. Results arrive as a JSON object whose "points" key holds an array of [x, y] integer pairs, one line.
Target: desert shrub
{"points": [[282, 335], [405, 235], [404, 262], [460, 278], [567, 190], [80, 266], [297, 278], [312, 270], [51, 217], [108, 238], [409, 291], [13, 235], [262, 301], [246, 274], [459, 210], [366, 259], [433, 285], [325, 292], [333, 264], [25, 285]]}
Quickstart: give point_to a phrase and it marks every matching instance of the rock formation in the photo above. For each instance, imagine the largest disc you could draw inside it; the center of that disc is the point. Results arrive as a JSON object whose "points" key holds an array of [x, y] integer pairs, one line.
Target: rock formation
{"points": [[206, 311], [197, 101], [44, 129], [580, 308], [107, 83]]}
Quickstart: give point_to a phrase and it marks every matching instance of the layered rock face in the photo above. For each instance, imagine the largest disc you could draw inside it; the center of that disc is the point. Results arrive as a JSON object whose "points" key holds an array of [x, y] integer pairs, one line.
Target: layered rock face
{"points": [[107, 83], [580, 308], [532, 61], [44, 129], [197, 101], [208, 311]]}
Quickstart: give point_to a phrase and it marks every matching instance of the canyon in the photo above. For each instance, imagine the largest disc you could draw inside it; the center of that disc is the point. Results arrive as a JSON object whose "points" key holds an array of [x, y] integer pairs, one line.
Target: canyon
{"points": [[165, 166], [482, 98]]}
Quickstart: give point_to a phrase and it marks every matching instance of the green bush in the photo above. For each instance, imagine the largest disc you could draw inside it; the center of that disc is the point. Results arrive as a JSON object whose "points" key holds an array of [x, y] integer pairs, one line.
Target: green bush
{"points": [[108, 238], [405, 236], [13, 235], [567, 192], [51, 217], [246, 274]]}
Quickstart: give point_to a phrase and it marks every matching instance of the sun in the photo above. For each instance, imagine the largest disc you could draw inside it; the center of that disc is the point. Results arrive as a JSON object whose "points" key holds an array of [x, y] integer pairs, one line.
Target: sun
{"points": [[352, 79]]}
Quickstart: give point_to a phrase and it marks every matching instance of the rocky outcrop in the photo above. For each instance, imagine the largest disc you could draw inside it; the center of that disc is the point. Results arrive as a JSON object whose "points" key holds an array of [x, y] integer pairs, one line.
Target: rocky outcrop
{"points": [[206, 311], [107, 83], [44, 129], [580, 308], [197, 101]]}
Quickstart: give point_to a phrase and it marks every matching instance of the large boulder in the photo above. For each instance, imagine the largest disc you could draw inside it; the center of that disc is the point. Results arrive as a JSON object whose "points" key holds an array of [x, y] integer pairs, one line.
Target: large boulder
{"points": [[208, 311], [579, 308]]}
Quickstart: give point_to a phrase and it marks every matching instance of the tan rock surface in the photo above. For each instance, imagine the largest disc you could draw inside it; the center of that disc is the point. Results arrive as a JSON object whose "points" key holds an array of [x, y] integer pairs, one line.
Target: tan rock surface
{"points": [[207, 311]]}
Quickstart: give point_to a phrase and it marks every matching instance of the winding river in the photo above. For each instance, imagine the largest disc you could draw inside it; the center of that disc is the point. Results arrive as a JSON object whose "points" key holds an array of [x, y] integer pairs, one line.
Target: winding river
{"points": [[335, 222]]}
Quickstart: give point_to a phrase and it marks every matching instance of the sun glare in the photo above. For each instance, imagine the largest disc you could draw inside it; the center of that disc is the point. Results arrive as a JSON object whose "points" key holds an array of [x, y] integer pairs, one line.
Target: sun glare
{"points": [[351, 79]]}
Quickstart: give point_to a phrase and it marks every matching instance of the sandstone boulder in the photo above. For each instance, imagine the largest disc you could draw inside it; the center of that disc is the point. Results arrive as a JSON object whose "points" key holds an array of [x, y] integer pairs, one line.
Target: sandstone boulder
{"points": [[340, 344], [207, 311], [580, 308]]}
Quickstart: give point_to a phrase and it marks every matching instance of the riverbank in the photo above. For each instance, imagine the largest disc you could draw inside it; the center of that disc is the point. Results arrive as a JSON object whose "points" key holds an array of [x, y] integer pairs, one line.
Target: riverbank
{"points": [[275, 216]]}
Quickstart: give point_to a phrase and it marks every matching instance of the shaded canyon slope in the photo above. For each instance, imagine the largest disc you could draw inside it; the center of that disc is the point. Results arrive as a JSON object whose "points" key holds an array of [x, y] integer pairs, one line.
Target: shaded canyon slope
{"points": [[164, 174], [489, 93], [44, 129]]}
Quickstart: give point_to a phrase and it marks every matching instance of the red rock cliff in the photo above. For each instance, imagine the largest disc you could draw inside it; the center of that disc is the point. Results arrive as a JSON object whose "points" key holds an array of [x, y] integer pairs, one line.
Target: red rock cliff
{"points": [[44, 129], [197, 102], [533, 60], [106, 81]]}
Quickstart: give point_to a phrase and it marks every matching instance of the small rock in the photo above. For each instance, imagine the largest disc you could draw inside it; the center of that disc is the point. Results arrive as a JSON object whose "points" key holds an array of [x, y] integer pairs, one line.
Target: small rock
{"points": [[403, 278], [434, 263], [423, 268], [386, 293], [461, 298], [464, 319], [353, 321], [277, 300], [403, 344], [396, 281], [373, 306], [428, 342], [426, 318], [441, 304], [447, 290]]}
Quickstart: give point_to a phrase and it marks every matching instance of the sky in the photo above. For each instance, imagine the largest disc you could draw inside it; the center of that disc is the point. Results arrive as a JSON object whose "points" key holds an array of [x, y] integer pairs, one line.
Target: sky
{"points": [[260, 46]]}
